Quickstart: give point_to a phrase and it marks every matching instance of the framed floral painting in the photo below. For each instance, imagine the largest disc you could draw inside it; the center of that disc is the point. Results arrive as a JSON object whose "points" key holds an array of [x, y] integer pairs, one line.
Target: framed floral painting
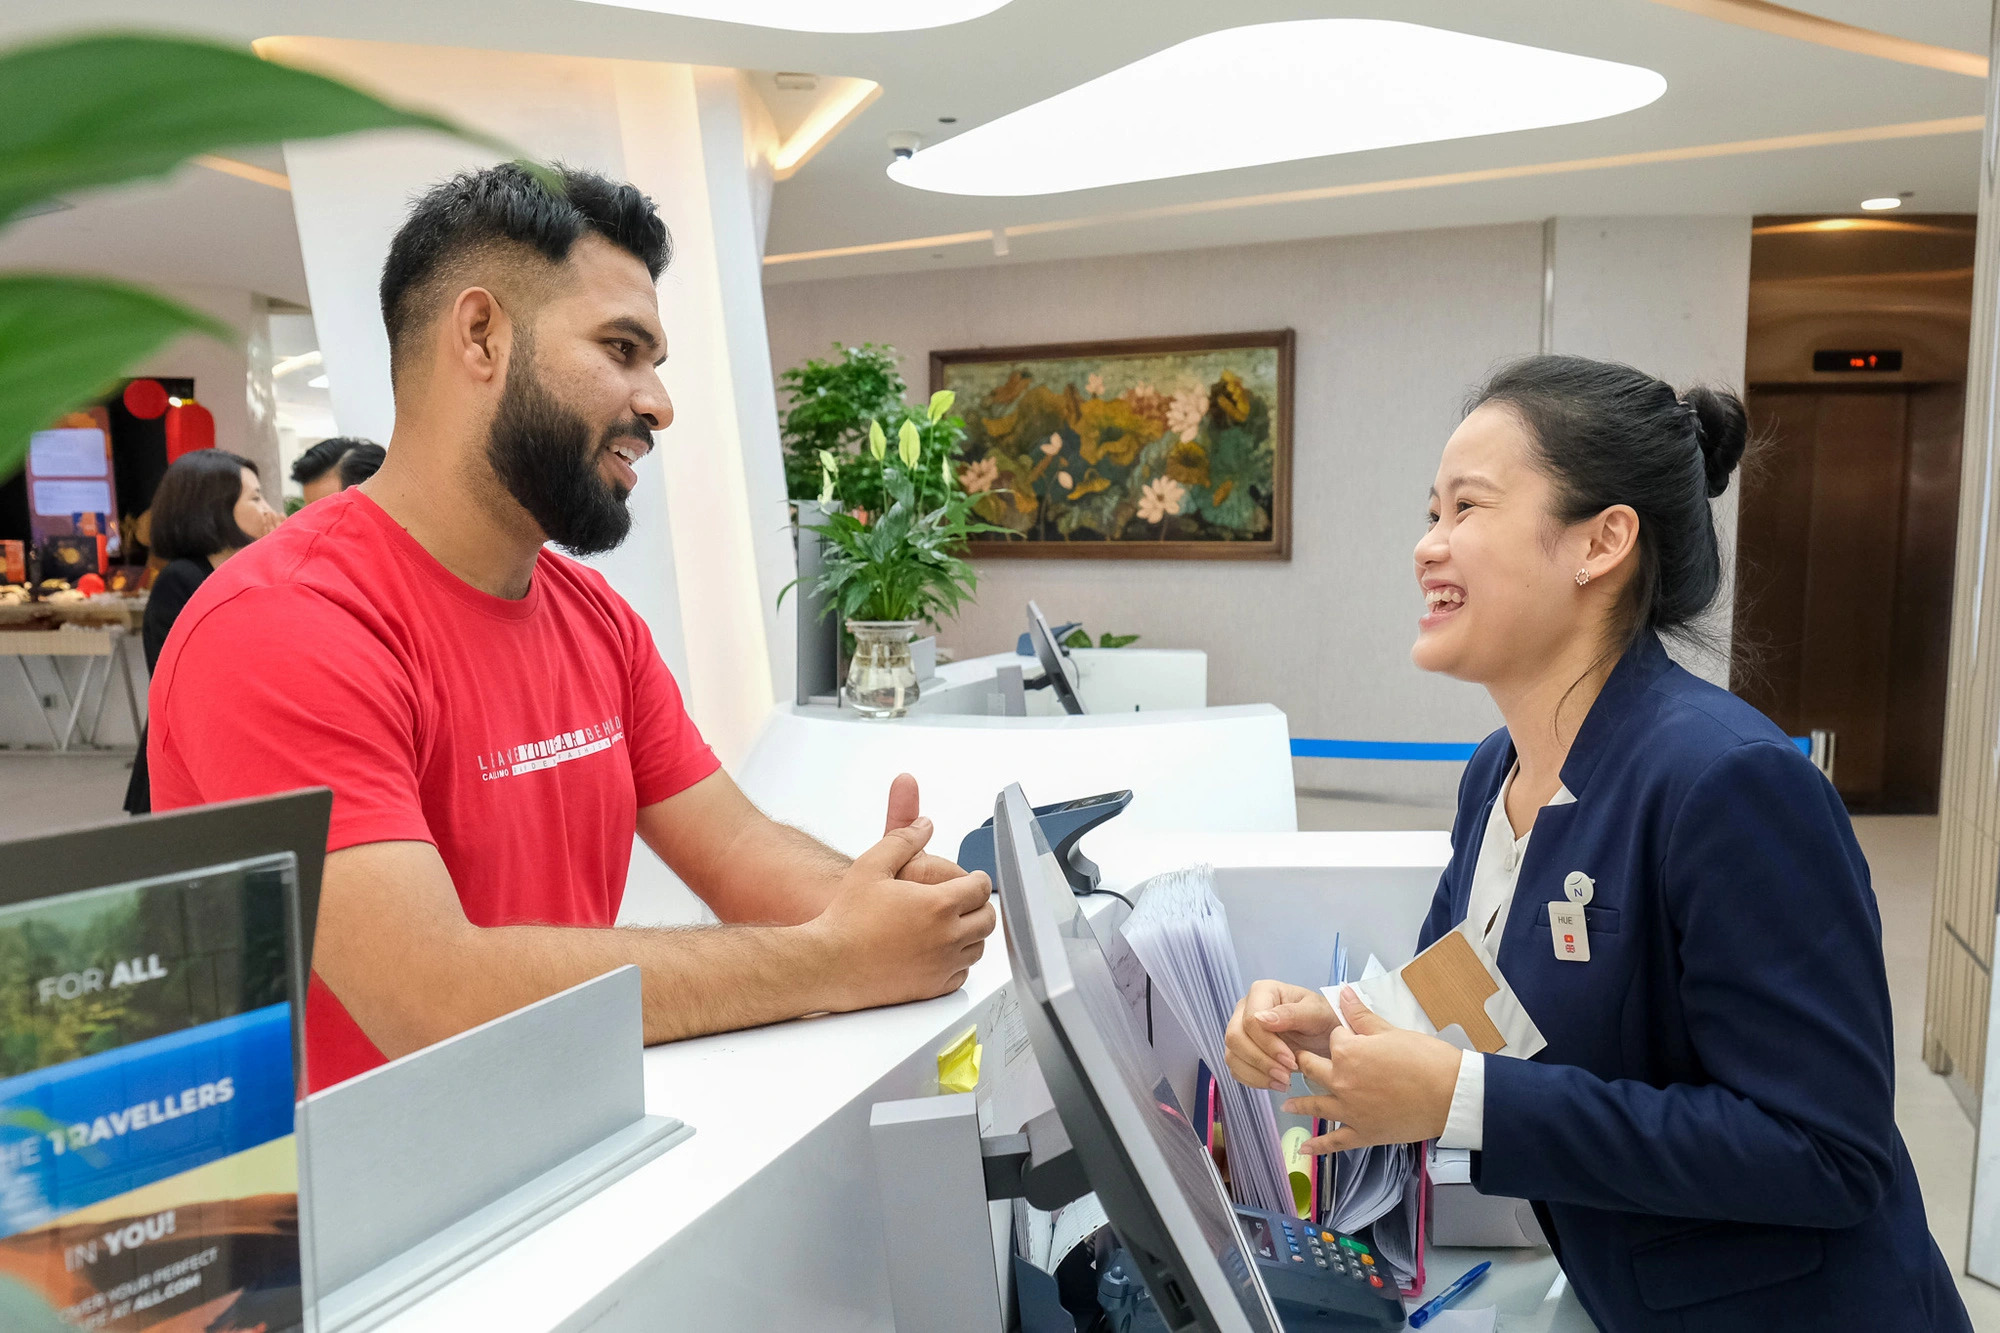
{"points": [[1141, 449]]}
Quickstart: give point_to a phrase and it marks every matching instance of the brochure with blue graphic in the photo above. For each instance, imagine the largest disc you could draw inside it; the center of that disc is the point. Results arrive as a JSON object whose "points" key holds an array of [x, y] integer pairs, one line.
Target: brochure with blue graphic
{"points": [[148, 1166]]}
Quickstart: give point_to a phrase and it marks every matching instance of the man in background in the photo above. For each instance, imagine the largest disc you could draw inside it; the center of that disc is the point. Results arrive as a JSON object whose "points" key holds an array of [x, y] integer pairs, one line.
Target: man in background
{"points": [[501, 723], [317, 470], [360, 463]]}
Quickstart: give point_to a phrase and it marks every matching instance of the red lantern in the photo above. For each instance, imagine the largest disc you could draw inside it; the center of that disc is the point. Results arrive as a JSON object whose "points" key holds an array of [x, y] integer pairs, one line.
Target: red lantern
{"points": [[190, 426], [145, 399]]}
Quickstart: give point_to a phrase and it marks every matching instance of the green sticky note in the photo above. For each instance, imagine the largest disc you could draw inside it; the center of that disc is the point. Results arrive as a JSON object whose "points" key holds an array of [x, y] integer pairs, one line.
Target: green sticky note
{"points": [[1299, 1168]]}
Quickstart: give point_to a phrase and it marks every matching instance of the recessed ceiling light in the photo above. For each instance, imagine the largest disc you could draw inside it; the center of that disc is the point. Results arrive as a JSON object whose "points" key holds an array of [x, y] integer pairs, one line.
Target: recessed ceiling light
{"points": [[1887, 201], [1277, 92], [316, 382], [291, 364], [822, 15]]}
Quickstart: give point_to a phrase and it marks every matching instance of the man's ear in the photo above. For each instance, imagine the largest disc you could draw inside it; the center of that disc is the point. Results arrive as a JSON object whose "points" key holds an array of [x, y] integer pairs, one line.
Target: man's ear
{"points": [[1612, 540], [480, 335]]}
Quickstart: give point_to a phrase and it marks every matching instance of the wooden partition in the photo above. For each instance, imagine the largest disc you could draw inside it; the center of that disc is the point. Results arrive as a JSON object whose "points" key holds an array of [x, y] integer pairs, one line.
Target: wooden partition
{"points": [[1962, 923]]}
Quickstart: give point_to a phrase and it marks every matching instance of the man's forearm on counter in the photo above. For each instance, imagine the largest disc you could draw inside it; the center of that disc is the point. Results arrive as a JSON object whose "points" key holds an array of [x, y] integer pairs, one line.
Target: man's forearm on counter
{"points": [[694, 979], [744, 865], [780, 875]]}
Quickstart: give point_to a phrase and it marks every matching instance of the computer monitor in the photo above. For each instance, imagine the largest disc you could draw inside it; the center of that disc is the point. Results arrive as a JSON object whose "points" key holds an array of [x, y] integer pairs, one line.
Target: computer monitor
{"points": [[1057, 665], [1158, 1186]]}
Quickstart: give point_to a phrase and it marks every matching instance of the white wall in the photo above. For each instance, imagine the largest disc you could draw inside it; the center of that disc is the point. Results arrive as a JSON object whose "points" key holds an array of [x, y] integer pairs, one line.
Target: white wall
{"points": [[1671, 296], [232, 380], [1393, 331]]}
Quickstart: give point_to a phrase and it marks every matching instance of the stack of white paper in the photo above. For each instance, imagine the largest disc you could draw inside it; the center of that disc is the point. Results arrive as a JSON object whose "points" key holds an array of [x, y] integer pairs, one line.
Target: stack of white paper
{"points": [[1368, 1182], [1046, 1239], [1396, 1231], [1181, 934]]}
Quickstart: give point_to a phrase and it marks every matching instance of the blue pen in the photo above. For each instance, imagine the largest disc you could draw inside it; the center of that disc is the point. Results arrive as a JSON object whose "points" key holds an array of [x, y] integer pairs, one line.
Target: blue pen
{"points": [[1432, 1308]]}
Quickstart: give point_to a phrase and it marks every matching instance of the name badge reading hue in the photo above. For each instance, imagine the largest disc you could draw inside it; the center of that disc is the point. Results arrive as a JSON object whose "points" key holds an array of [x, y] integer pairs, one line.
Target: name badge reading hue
{"points": [[1570, 935]]}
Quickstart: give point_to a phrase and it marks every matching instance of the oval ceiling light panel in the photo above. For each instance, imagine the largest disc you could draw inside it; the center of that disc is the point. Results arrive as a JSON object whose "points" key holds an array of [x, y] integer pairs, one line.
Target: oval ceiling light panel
{"points": [[1277, 92], [822, 15]]}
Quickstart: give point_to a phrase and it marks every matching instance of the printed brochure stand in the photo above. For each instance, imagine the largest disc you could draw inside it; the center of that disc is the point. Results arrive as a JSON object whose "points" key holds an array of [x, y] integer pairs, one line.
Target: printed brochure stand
{"points": [[156, 1164], [151, 978], [508, 1125]]}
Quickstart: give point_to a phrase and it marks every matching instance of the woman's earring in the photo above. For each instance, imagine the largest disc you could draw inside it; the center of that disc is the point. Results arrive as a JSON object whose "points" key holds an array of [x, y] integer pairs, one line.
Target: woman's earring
{"points": [[1582, 577]]}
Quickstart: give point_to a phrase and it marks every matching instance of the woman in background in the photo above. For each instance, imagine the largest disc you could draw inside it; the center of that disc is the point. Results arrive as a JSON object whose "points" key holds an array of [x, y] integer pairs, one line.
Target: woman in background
{"points": [[209, 505]]}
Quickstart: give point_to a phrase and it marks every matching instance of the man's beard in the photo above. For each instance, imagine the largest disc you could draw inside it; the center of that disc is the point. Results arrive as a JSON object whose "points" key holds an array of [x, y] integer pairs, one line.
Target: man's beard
{"points": [[543, 453]]}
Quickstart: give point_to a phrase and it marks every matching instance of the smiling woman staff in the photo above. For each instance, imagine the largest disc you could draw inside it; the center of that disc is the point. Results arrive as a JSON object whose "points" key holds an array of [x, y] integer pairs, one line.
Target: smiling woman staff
{"points": [[1709, 1136]]}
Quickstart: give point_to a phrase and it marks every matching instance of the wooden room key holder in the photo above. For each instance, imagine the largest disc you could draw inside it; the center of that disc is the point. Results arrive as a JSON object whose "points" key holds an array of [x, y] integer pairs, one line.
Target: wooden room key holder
{"points": [[1453, 986]]}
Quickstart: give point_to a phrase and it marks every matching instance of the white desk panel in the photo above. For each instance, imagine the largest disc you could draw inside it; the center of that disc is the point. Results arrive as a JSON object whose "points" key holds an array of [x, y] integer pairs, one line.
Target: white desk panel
{"points": [[1222, 769]]}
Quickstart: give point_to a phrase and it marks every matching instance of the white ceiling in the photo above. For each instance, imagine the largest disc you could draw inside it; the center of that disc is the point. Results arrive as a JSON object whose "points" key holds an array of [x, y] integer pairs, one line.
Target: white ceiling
{"points": [[1964, 24], [198, 228], [1725, 84]]}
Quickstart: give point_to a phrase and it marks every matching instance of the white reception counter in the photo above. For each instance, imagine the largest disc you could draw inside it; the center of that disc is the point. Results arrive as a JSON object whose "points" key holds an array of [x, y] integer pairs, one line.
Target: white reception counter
{"points": [[827, 770], [767, 1218]]}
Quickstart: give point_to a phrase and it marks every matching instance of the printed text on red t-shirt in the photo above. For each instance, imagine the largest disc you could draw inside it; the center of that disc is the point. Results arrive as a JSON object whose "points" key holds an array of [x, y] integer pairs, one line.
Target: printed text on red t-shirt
{"points": [[560, 748]]}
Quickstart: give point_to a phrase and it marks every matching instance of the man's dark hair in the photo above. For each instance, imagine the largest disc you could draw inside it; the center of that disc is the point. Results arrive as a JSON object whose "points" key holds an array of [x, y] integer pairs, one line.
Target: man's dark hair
{"points": [[194, 509], [360, 463], [317, 461], [500, 209]]}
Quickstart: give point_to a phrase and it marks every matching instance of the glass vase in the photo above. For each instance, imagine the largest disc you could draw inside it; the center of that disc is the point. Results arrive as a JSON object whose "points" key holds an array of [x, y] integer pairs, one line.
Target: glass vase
{"points": [[881, 678]]}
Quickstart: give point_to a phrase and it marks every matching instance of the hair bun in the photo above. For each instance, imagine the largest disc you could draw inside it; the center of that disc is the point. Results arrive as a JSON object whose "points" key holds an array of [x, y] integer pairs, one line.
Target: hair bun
{"points": [[1724, 431]]}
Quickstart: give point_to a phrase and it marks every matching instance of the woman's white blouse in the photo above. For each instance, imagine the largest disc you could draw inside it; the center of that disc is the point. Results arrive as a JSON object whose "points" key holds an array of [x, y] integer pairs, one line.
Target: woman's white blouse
{"points": [[1493, 880]]}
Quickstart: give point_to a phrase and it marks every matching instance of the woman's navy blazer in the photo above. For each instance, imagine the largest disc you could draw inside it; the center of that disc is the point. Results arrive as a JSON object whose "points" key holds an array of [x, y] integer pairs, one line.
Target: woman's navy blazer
{"points": [[1710, 1136]]}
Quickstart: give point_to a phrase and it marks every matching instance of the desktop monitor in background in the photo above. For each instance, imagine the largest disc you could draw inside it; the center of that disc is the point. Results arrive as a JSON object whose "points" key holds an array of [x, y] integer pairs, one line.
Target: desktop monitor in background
{"points": [[1057, 665], [1142, 1157], [152, 974]]}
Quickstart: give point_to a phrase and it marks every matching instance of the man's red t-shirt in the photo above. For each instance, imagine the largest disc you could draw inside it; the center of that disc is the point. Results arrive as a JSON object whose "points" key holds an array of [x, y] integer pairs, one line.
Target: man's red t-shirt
{"points": [[518, 737]]}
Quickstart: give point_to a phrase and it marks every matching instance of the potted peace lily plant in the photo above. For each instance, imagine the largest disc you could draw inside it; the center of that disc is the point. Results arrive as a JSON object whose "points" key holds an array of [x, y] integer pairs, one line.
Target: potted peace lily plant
{"points": [[894, 549]]}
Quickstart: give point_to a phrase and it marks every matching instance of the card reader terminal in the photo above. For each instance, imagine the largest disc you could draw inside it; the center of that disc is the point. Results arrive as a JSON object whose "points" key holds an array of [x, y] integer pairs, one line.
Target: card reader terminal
{"points": [[1320, 1281], [1063, 825]]}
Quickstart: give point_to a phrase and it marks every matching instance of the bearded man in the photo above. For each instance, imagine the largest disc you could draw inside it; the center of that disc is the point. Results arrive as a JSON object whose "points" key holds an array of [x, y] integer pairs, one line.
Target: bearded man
{"points": [[501, 723]]}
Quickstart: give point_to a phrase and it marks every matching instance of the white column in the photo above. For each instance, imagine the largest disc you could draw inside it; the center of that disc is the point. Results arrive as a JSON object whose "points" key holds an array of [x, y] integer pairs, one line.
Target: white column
{"points": [[705, 457], [709, 549], [739, 185]]}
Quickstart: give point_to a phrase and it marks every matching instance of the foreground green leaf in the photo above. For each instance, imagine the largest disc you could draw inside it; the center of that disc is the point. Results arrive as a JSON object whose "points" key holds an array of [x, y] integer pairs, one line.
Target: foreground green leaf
{"points": [[102, 109], [65, 341]]}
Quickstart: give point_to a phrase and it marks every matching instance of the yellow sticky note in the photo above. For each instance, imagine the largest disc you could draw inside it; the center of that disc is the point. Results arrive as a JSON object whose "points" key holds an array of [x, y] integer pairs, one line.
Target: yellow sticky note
{"points": [[958, 1064], [1299, 1167]]}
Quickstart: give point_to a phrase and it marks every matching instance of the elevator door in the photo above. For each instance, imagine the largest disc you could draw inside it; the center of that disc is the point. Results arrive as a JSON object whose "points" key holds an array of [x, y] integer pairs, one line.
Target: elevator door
{"points": [[1844, 568]]}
